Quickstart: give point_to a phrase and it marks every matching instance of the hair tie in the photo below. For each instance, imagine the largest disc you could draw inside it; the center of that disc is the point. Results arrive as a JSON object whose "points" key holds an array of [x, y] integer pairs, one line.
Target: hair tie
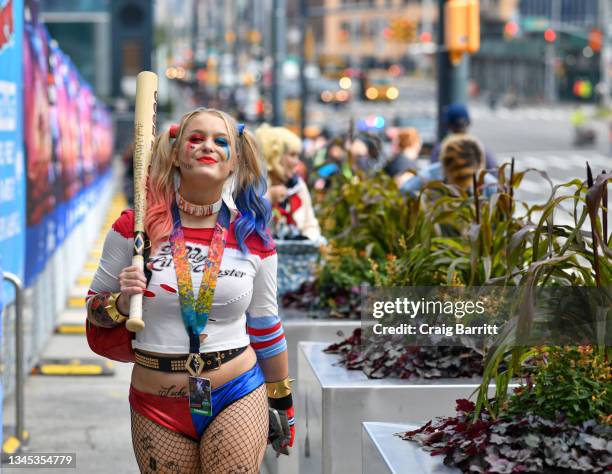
{"points": [[174, 130], [240, 128]]}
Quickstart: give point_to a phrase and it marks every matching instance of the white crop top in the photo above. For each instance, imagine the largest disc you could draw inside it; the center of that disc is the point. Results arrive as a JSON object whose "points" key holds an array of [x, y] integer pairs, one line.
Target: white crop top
{"points": [[246, 284]]}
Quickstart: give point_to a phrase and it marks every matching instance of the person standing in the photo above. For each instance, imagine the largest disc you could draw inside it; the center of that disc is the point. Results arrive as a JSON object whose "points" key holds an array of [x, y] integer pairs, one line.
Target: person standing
{"points": [[288, 193], [211, 361]]}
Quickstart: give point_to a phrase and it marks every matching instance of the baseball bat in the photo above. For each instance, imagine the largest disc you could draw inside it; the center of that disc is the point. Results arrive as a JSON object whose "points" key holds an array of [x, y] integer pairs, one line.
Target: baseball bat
{"points": [[144, 135]]}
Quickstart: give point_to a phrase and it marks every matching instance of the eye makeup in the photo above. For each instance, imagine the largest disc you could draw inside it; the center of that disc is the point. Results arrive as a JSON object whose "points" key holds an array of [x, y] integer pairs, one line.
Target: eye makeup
{"points": [[196, 138], [224, 143]]}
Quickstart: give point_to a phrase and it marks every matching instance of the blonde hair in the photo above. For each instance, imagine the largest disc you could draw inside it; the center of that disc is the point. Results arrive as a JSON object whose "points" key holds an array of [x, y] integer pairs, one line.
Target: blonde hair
{"points": [[275, 142], [160, 183]]}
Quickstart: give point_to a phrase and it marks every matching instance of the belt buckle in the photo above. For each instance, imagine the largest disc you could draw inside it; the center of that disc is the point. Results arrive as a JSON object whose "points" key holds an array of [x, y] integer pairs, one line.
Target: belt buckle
{"points": [[218, 359], [194, 364]]}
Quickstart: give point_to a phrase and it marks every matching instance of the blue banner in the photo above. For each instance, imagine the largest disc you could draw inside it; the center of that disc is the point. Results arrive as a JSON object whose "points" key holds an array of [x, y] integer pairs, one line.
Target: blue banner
{"points": [[1, 345], [68, 147], [12, 175]]}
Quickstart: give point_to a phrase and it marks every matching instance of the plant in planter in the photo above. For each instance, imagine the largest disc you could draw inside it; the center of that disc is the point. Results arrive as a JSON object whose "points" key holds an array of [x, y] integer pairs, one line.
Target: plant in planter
{"points": [[390, 358], [559, 420], [559, 423], [381, 238], [449, 241]]}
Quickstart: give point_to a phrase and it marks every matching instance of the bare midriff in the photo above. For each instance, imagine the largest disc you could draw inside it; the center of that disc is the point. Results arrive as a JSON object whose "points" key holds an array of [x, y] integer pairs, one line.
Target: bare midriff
{"points": [[177, 384]]}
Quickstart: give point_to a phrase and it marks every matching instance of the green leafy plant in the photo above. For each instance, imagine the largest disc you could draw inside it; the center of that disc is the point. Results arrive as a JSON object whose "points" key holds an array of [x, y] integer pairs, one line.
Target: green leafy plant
{"points": [[573, 381], [570, 258]]}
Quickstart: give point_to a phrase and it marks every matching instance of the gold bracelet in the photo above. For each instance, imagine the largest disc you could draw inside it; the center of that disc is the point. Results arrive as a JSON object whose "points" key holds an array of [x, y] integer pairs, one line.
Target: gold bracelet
{"points": [[112, 310], [279, 389]]}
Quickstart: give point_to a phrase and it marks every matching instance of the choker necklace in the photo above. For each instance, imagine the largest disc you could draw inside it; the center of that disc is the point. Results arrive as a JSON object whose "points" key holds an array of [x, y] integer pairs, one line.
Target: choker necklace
{"points": [[197, 209]]}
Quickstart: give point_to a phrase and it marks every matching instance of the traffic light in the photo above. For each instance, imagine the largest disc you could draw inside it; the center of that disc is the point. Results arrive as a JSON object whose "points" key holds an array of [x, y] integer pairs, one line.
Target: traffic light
{"points": [[511, 29], [461, 28], [583, 88], [403, 31], [550, 36], [595, 40]]}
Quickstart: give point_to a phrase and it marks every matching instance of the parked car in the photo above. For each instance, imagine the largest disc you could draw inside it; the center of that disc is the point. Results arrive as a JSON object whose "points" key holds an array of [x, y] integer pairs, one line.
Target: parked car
{"points": [[379, 87]]}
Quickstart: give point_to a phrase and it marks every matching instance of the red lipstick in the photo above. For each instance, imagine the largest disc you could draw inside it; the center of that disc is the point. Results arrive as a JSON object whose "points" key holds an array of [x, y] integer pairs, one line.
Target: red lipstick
{"points": [[207, 160]]}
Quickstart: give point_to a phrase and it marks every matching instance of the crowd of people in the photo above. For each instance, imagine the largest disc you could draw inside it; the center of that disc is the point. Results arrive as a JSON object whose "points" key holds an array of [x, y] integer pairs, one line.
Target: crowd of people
{"points": [[295, 167], [399, 153]]}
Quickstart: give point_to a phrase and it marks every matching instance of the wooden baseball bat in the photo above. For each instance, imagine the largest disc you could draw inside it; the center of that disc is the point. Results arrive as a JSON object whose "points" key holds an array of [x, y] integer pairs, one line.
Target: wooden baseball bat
{"points": [[144, 135]]}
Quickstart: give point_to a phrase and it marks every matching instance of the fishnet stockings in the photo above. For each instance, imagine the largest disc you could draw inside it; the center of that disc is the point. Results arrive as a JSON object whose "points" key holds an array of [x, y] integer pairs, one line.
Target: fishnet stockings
{"points": [[234, 443], [161, 450]]}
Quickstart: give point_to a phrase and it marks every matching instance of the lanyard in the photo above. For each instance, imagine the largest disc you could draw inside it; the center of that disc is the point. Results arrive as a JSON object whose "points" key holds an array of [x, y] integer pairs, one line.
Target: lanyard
{"points": [[195, 312]]}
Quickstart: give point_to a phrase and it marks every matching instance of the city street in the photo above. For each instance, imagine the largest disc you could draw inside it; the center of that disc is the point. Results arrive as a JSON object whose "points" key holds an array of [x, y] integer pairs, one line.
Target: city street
{"points": [[231, 241], [537, 136]]}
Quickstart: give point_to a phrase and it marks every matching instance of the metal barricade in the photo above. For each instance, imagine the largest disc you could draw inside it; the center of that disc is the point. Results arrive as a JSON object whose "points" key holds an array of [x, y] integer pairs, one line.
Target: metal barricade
{"points": [[20, 434]]}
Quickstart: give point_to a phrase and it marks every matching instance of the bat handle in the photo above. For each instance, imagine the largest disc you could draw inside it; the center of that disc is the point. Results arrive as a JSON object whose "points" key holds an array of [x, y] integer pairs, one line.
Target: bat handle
{"points": [[135, 323]]}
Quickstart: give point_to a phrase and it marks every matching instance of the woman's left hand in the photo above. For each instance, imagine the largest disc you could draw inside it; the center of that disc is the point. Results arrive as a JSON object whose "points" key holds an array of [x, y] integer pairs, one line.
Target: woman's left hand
{"points": [[282, 429]]}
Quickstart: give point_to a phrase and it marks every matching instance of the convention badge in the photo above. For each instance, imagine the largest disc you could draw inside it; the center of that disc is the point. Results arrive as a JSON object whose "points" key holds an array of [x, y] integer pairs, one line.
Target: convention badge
{"points": [[200, 396]]}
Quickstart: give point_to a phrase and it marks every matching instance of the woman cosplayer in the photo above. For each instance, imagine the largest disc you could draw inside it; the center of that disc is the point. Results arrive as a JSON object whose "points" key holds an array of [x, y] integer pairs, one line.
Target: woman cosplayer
{"points": [[212, 357], [288, 193]]}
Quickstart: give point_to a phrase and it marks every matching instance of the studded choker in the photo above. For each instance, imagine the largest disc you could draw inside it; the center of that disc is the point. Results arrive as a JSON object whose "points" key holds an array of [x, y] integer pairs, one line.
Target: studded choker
{"points": [[197, 209]]}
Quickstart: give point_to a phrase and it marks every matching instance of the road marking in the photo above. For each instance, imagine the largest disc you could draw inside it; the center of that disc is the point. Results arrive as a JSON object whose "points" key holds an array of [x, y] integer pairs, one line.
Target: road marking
{"points": [[11, 445], [76, 302], [70, 329], [74, 367]]}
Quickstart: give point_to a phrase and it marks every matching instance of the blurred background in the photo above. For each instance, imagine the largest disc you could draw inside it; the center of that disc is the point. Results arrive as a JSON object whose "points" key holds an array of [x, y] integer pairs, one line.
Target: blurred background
{"points": [[370, 56]]}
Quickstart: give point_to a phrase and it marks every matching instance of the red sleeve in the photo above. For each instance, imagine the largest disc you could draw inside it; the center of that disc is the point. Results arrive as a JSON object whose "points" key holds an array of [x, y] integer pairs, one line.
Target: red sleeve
{"points": [[124, 224]]}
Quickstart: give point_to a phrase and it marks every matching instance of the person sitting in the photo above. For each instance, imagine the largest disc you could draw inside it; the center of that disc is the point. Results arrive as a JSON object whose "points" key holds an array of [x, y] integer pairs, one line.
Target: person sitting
{"points": [[366, 153], [403, 165], [291, 202], [331, 161], [461, 156], [457, 119]]}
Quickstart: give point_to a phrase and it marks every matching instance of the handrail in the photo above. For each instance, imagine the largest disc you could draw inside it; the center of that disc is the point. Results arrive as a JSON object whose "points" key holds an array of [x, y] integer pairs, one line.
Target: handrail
{"points": [[19, 355]]}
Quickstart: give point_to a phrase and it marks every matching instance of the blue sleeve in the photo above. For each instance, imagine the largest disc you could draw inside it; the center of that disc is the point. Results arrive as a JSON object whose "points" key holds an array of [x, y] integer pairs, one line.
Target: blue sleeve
{"points": [[328, 170]]}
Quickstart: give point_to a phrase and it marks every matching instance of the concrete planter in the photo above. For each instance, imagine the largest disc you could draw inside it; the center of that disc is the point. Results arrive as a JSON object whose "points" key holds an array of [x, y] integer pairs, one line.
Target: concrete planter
{"points": [[334, 402], [384, 453], [300, 327]]}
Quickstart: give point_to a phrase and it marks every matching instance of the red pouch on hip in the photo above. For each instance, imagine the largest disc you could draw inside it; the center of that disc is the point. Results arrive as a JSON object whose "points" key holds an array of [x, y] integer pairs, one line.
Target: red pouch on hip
{"points": [[112, 343]]}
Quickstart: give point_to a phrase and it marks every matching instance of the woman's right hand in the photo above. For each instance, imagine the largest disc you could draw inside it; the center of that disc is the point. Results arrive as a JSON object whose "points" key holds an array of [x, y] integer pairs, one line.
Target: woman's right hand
{"points": [[132, 281]]}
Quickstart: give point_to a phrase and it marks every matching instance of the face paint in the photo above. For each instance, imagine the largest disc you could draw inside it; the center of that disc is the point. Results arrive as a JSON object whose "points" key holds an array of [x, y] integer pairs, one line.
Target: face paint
{"points": [[185, 165], [196, 139], [222, 142]]}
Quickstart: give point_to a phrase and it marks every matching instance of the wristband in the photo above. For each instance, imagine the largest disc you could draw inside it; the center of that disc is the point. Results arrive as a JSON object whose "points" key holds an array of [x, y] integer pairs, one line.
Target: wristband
{"points": [[281, 403], [112, 310], [279, 389]]}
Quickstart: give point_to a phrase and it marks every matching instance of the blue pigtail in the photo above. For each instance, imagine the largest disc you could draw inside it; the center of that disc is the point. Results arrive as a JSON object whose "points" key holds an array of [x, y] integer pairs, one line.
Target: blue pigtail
{"points": [[255, 213]]}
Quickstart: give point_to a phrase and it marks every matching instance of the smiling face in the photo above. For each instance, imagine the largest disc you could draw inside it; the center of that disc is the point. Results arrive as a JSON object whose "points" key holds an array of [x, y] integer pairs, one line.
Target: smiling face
{"points": [[204, 155]]}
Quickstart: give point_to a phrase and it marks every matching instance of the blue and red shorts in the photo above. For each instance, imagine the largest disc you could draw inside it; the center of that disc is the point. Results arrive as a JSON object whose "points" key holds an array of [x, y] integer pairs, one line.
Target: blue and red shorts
{"points": [[173, 412]]}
